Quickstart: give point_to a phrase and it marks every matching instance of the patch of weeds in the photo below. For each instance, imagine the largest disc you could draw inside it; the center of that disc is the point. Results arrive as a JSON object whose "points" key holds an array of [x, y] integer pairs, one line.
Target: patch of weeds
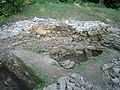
{"points": [[79, 68], [39, 51], [36, 50], [2, 20], [107, 51], [55, 64], [45, 79]]}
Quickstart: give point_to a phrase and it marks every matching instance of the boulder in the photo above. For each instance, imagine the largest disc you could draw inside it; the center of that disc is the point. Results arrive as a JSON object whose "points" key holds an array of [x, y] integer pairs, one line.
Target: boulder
{"points": [[67, 64], [116, 70], [63, 82], [116, 80], [106, 67]]}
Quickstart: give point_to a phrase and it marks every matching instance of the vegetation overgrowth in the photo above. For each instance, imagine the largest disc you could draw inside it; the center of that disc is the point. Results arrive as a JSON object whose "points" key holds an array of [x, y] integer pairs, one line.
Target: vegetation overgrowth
{"points": [[8, 7], [45, 80], [82, 11]]}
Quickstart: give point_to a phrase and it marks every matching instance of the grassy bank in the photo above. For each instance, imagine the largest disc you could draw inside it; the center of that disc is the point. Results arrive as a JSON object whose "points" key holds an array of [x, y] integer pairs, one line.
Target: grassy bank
{"points": [[61, 10], [45, 79]]}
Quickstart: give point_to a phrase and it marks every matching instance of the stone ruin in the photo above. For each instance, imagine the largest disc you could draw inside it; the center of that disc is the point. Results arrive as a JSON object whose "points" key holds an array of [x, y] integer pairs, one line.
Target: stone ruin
{"points": [[61, 38]]}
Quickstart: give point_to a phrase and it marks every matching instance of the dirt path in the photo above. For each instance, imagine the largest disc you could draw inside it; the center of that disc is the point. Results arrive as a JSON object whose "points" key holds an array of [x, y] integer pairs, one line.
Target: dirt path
{"points": [[94, 74]]}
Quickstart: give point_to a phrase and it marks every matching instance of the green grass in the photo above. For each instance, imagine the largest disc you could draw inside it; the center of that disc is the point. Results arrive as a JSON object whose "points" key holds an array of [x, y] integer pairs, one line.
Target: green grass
{"points": [[38, 51], [45, 79], [85, 11], [55, 64]]}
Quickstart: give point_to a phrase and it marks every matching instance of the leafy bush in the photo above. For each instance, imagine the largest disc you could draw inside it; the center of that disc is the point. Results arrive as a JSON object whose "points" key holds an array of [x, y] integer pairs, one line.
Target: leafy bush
{"points": [[8, 7]]}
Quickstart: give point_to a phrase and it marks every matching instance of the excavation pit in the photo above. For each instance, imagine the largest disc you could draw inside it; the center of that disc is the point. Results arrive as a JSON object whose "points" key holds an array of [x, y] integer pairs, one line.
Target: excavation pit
{"points": [[78, 58], [8, 81]]}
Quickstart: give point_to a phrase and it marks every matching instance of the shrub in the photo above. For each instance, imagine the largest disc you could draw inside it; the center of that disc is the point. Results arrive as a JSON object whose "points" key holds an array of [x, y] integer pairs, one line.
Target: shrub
{"points": [[8, 7]]}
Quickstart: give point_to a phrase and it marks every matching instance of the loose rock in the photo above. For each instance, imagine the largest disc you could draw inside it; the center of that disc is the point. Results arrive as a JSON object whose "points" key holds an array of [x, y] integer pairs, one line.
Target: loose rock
{"points": [[64, 83], [116, 80], [112, 71], [67, 64]]}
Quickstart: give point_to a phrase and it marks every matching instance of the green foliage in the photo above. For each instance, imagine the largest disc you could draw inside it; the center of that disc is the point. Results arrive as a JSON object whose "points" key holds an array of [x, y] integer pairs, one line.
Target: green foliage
{"points": [[27, 2], [86, 11], [2, 20], [55, 64], [39, 51], [37, 1], [45, 79], [107, 3], [8, 7]]}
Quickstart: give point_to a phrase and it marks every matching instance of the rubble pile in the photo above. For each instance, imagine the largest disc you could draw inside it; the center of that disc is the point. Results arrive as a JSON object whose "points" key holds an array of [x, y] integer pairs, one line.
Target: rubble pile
{"points": [[112, 72], [72, 82]]}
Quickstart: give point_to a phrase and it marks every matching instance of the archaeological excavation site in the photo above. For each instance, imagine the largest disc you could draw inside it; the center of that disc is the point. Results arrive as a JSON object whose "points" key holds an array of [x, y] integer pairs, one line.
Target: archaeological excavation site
{"points": [[59, 54]]}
